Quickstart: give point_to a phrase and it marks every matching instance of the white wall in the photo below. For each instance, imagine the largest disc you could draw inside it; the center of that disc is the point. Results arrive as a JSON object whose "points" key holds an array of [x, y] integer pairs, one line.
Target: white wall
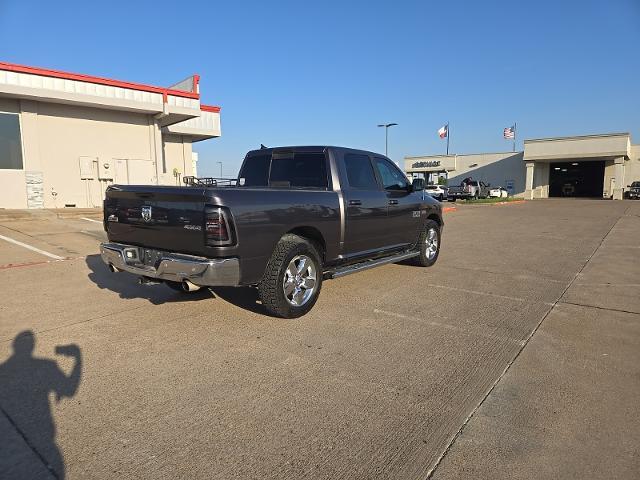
{"points": [[496, 169], [55, 137]]}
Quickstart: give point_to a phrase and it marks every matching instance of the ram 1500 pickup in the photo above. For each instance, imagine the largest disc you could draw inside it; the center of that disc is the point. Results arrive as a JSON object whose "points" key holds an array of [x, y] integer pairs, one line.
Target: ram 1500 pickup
{"points": [[293, 217]]}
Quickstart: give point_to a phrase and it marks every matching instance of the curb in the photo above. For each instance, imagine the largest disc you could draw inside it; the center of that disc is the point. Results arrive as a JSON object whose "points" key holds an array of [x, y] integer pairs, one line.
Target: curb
{"points": [[509, 203]]}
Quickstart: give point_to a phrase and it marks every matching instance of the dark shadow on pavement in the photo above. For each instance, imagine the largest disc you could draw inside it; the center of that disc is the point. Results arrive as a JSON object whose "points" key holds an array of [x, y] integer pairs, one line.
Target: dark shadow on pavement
{"points": [[126, 285], [27, 432], [243, 297]]}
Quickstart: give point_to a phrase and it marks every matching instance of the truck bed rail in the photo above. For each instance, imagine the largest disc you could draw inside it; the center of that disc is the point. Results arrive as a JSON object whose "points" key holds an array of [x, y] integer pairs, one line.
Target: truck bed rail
{"points": [[192, 181]]}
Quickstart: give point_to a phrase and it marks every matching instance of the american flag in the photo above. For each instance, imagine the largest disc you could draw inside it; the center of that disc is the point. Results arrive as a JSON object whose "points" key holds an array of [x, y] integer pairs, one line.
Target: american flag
{"points": [[510, 132]]}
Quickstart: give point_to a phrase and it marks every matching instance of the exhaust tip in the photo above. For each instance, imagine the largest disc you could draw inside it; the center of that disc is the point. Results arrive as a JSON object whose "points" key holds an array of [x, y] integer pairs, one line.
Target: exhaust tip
{"points": [[187, 286]]}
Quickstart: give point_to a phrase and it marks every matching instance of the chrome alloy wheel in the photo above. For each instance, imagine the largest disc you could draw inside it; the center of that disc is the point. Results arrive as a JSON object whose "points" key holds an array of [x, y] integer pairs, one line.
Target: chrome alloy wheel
{"points": [[432, 243], [299, 280]]}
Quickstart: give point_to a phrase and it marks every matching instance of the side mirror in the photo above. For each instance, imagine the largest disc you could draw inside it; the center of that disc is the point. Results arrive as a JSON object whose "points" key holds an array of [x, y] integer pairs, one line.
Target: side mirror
{"points": [[417, 184]]}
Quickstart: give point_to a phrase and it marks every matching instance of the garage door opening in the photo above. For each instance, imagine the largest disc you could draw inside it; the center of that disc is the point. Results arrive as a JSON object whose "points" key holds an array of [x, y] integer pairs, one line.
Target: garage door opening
{"points": [[576, 179]]}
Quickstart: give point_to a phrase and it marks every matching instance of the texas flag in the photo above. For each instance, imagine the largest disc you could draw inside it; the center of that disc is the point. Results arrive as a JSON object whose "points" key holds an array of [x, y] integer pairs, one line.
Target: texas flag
{"points": [[444, 131]]}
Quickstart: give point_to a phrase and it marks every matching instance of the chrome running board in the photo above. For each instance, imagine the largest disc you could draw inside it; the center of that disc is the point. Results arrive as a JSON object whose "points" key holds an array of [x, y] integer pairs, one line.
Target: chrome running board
{"points": [[366, 265]]}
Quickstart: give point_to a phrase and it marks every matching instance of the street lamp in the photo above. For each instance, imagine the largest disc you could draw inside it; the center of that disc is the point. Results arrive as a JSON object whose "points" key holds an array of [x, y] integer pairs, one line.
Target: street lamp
{"points": [[220, 163], [386, 136]]}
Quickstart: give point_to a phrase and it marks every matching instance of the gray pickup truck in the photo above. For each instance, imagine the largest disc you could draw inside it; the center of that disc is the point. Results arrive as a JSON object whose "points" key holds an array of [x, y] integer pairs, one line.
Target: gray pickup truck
{"points": [[293, 217], [468, 189]]}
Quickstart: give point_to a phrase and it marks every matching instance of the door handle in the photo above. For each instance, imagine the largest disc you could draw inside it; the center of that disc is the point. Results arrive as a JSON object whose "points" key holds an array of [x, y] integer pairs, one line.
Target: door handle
{"points": [[355, 202], [393, 202]]}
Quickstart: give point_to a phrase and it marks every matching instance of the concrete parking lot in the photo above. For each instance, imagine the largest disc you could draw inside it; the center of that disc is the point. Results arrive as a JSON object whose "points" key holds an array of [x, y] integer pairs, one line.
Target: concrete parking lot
{"points": [[516, 356]]}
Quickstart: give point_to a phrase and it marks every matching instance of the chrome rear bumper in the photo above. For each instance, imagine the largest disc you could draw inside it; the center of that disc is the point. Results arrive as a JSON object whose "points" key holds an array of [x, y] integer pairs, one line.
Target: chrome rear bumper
{"points": [[176, 267]]}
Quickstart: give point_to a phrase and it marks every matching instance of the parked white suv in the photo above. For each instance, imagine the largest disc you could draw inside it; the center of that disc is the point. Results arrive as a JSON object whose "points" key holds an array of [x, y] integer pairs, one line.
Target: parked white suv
{"points": [[498, 192], [438, 192]]}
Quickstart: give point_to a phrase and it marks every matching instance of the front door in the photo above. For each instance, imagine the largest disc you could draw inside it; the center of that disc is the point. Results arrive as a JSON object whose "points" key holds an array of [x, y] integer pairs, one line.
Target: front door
{"points": [[365, 207], [404, 215]]}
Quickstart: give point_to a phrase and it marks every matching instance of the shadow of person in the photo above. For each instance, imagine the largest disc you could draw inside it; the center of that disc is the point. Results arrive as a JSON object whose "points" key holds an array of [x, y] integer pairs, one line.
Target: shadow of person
{"points": [[28, 445], [126, 285]]}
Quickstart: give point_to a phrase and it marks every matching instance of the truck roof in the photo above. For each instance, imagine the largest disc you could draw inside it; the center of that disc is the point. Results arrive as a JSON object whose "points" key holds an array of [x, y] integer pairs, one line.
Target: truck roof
{"points": [[312, 148]]}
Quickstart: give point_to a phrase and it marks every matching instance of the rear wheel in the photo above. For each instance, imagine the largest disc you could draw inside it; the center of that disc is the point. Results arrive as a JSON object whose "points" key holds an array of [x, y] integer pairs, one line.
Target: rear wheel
{"points": [[292, 279], [429, 244]]}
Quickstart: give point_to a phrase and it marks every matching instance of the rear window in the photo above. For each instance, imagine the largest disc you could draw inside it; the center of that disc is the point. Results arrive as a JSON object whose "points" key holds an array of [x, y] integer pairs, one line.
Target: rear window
{"points": [[301, 170], [255, 170], [431, 187]]}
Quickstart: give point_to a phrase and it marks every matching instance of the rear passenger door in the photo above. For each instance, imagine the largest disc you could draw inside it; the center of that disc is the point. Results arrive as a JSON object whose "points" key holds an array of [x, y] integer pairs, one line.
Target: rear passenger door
{"points": [[403, 218], [365, 206]]}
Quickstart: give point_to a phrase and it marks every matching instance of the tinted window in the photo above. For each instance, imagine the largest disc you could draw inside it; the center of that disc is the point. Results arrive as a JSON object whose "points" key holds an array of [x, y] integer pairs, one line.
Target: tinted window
{"points": [[392, 177], [306, 170], [10, 144], [255, 170], [359, 172]]}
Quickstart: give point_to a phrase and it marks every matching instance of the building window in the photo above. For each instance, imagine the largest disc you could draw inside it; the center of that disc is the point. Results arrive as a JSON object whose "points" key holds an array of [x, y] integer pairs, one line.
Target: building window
{"points": [[10, 143]]}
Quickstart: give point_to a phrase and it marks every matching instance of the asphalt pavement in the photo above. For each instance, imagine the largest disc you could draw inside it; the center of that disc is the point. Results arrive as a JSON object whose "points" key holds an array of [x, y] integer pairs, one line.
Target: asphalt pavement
{"points": [[516, 356]]}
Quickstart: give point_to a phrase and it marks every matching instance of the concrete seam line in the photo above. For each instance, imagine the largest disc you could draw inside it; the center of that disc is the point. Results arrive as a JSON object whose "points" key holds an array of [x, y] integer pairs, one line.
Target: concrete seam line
{"points": [[599, 308], [524, 344], [29, 247], [31, 447], [90, 220]]}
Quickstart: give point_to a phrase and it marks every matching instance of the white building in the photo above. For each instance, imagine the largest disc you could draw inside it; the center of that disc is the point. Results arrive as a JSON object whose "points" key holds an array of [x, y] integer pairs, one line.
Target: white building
{"points": [[64, 137], [594, 166]]}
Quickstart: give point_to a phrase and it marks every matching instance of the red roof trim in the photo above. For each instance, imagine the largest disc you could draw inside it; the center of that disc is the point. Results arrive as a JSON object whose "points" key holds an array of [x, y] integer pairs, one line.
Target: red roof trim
{"points": [[99, 80], [209, 108]]}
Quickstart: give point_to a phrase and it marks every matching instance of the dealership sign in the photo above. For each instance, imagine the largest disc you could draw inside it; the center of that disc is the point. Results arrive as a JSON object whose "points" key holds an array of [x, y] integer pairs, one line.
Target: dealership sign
{"points": [[426, 164]]}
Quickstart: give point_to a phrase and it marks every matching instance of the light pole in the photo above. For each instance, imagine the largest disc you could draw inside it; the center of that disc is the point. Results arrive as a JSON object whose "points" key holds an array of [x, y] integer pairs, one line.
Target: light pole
{"points": [[220, 163], [386, 136]]}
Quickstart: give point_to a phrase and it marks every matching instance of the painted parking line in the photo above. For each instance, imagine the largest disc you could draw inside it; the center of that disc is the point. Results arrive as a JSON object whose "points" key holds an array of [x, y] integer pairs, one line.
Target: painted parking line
{"points": [[29, 247], [91, 220]]}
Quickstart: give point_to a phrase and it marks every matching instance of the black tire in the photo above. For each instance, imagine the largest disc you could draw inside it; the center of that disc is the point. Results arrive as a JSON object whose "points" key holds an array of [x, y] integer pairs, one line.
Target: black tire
{"points": [[271, 287], [441, 198], [427, 257]]}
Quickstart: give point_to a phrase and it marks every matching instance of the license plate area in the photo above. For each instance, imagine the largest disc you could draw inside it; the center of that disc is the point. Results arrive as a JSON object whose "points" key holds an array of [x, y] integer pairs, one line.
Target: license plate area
{"points": [[150, 258], [137, 256]]}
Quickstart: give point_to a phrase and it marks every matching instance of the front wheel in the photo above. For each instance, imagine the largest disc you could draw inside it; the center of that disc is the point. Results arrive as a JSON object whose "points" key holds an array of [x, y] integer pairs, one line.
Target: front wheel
{"points": [[429, 244], [293, 278]]}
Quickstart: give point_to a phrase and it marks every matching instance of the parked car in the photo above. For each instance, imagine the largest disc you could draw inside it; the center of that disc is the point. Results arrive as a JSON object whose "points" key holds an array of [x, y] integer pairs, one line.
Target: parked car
{"points": [[468, 188], [498, 192], [293, 217], [634, 191], [439, 192]]}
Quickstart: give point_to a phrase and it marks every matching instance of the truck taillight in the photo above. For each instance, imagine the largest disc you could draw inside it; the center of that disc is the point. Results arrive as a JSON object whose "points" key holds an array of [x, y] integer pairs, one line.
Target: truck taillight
{"points": [[217, 229]]}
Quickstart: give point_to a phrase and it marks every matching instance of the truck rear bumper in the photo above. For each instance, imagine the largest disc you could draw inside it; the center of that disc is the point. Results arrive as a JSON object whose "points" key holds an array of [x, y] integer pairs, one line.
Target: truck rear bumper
{"points": [[175, 267]]}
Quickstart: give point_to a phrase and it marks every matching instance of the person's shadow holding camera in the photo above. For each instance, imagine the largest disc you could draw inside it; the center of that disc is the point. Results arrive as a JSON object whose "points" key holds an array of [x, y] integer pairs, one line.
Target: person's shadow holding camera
{"points": [[25, 385]]}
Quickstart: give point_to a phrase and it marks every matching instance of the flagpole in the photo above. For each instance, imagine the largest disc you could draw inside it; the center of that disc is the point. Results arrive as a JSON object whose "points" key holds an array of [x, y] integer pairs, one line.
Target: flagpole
{"points": [[514, 136], [448, 135]]}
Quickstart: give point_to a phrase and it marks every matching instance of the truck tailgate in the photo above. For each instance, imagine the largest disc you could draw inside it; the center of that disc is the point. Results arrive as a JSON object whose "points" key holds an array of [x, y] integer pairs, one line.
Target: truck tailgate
{"points": [[164, 218]]}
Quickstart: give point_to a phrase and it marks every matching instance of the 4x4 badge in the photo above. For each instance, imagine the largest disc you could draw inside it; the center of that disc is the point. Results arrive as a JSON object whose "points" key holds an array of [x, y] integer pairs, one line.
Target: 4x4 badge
{"points": [[146, 214]]}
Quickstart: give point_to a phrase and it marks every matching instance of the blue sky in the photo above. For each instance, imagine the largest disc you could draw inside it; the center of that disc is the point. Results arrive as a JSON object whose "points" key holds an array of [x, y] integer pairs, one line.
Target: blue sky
{"points": [[294, 72]]}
